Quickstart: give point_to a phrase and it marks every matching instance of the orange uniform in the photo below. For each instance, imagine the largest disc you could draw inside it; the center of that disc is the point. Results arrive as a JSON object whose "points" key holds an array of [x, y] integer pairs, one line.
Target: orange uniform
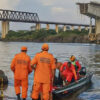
{"points": [[21, 67], [68, 72], [44, 65], [78, 65]]}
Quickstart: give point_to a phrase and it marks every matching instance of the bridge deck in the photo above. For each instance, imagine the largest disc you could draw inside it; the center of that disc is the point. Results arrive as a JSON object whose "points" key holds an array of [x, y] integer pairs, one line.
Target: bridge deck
{"points": [[18, 16], [91, 9]]}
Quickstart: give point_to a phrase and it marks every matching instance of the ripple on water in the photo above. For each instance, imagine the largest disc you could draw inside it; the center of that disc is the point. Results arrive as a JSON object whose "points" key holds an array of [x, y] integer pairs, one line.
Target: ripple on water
{"points": [[90, 95], [87, 54]]}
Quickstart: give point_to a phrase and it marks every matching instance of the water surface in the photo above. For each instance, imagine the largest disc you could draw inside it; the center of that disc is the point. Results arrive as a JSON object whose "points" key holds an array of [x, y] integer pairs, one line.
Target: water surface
{"points": [[87, 54]]}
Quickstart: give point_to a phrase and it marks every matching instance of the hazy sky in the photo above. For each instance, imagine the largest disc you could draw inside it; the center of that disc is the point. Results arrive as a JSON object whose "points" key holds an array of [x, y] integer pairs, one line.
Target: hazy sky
{"points": [[48, 10]]}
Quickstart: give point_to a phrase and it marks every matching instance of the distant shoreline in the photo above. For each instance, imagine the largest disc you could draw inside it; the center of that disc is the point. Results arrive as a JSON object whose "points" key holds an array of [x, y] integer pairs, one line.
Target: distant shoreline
{"points": [[54, 40], [49, 36]]}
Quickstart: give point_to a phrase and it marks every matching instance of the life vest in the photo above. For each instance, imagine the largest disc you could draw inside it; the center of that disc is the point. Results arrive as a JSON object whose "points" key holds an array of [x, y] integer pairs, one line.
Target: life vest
{"points": [[74, 63]]}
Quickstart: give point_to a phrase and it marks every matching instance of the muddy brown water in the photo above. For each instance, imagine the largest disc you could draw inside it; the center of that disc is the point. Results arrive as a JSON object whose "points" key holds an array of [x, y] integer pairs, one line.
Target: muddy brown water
{"points": [[87, 54]]}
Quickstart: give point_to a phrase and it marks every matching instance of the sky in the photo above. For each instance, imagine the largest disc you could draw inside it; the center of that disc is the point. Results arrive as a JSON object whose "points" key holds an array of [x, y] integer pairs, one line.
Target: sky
{"points": [[48, 10]]}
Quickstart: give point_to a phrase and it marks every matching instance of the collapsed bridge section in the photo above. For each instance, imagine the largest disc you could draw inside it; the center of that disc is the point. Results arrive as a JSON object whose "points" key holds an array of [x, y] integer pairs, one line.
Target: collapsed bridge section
{"points": [[92, 10]]}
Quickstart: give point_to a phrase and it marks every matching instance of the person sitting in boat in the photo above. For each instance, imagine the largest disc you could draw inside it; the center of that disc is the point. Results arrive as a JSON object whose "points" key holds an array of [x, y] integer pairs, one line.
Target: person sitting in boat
{"points": [[76, 64], [57, 78], [68, 72]]}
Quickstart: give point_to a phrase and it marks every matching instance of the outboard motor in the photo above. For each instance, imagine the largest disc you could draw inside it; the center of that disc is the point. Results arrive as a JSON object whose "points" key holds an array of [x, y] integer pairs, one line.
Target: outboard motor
{"points": [[83, 71]]}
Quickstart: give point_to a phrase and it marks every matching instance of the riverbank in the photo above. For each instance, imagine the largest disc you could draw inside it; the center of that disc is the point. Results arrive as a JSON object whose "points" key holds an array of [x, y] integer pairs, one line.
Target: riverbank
{"points": [[43, 35]]}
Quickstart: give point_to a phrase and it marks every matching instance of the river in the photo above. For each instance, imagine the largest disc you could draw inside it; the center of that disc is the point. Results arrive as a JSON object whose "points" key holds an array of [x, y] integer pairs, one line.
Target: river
{"points": [[87, 54]]}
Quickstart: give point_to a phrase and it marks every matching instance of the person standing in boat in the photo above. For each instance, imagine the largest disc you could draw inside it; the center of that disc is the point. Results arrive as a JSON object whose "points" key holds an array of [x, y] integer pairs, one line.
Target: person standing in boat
{"points": [[68, 72], [21, 67], [57, 79], [76, 64], [44, 70]]}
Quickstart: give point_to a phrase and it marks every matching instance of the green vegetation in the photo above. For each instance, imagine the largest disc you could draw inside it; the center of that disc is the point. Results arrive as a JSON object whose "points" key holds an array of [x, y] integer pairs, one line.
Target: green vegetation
{"points": [[46, 35]]}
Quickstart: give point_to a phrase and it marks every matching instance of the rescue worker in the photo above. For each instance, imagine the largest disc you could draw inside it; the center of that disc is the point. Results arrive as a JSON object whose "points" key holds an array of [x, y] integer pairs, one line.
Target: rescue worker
{"points": [[21, 67], [76, 64], [44, 72], [68, 72]]}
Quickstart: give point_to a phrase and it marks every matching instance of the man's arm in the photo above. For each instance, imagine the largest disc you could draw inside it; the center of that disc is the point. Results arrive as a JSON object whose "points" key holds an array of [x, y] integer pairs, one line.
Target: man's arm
{"points": [[62, 67], [34, 62], [53, 67], [12, 66], [29, 66], [53, 75]]}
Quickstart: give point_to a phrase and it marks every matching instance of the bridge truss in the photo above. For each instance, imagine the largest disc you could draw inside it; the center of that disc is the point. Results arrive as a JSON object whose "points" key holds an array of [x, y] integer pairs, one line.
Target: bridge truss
{"points": [[18, 16]]}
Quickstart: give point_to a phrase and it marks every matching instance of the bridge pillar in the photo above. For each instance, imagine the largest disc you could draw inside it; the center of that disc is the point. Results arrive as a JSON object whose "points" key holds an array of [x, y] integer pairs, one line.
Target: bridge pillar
{"points": [[98, 26], [48, 27], [64, 28], [5, 28], [90, 29], [86, 28], [72, 28], [38, 26], [79, 28], [56, 28]]}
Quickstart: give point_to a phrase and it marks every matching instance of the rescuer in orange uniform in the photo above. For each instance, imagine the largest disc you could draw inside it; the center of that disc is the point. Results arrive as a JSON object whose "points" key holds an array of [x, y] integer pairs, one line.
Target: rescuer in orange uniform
{"points": [[44, 72], [21, 67], [76, 64], [68, 72]]}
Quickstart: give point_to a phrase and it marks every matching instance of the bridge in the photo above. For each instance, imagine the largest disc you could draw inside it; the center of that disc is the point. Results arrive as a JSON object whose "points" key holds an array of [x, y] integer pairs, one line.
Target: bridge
{"points": [[7, 16], [92, 10]]}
